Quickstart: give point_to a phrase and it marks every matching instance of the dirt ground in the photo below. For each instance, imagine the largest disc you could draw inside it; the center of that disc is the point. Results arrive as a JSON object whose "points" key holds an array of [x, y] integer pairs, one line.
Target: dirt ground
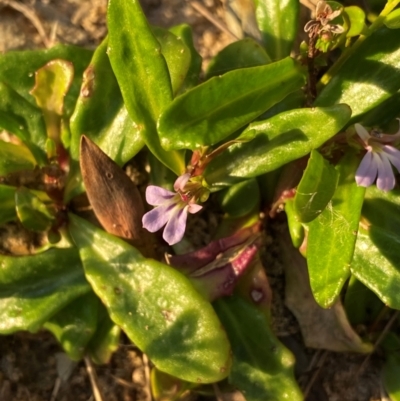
{"points": [[30, 363]]}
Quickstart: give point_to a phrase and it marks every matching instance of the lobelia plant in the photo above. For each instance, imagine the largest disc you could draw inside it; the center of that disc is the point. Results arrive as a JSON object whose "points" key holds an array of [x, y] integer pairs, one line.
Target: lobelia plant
{"points": [[264, 130]]}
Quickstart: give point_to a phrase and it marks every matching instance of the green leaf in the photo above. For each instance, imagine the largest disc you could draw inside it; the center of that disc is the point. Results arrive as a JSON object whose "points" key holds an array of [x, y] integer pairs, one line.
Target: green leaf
{"points": [[356, 19], [184, 32], [368, 76], [383, 114], [142, 74], [7, 204], [277, 141], [240, 199], [24, 120], [316, 188], [31, 211], [52, 82], [392, 20], [217, 108], [278, 22], [376, 261], [15, 158], [241, 54], [101, 115], [262, 369], [362, 305], [34, 288], [166, 387], [177, 56], [296, 229], [105, 340], [382, 208], [75, 324], [17, 69], [332, 235], [156, 306], [391, 367]]}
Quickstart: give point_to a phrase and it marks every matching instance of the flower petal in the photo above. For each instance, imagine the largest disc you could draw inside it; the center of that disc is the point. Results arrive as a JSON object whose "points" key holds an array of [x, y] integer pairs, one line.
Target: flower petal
{"points": [[194, 208], [158, 217], [393, 155], [155, 196], [333, 14], [181, 181], [322, 8], [176, 226], [362, 133], [310, 25], [385, 181], [366, 172]]}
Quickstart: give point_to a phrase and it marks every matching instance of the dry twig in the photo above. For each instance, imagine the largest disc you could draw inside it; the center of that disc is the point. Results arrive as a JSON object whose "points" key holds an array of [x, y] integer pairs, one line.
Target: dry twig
{"points": [[93, 379], [29, 13], [215, 21]]}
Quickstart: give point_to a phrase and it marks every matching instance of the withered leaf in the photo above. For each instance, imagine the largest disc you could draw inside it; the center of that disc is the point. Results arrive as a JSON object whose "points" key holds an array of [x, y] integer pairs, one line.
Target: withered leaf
{"points": [[114, 197]]}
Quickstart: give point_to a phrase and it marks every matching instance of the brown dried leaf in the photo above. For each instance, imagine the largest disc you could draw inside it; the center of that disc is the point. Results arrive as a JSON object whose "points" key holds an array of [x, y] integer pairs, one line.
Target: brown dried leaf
{"points": [[114, 197]]}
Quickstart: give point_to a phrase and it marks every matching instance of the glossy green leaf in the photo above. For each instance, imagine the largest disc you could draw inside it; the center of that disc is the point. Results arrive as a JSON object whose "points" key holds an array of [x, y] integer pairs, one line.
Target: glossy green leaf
{"points": [[24, 120], [105, 340], [184, 32], [156, 306], [382, 208], [296, 229], [277, 141], [15, 158], [376, 260], [75, 324], [217, 108], [278, 22], [295, 100], [240, 199], [361, 304], [17, 68], [356, 20], [101, 115], [7, 204], [320, 328], [383, 114], [368, 77], [34, 288], [262, 367], [241, 54], [332, 235], [392, 21], [142, 74], [177, 56], [316, 188], [31, 211]]}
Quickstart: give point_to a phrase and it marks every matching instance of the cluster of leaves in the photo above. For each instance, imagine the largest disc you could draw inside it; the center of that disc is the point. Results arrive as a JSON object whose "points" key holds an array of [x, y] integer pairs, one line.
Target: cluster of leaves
{"points": [[263, 129]]}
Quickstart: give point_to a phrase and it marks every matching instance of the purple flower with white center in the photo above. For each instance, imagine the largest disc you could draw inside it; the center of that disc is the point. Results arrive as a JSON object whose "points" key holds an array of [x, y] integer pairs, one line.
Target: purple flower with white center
{"points": [[171, 209], [378, 159]]}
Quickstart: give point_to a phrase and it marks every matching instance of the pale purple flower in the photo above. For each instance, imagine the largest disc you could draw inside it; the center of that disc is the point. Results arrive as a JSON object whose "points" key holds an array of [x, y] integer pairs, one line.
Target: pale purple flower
{"points": [[378, 160], [171, 210]]}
